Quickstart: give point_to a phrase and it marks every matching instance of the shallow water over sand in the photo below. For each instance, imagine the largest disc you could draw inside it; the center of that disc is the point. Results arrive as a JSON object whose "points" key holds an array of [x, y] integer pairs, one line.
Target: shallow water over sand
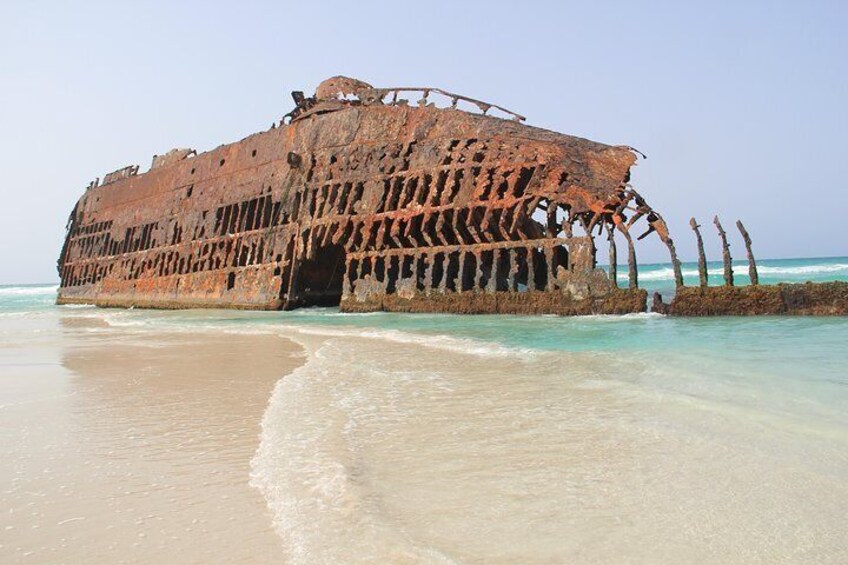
{"points": [[136, 435], [128, 447], [422, 453]]}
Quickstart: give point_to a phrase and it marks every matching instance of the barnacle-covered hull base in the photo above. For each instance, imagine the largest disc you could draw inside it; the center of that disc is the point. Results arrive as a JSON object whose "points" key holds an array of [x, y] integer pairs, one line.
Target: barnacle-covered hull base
{"points": [[370, 203]]}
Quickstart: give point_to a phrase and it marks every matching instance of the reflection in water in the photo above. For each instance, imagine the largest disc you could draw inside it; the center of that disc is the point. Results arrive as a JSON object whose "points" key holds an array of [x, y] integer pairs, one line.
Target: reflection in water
{"points": [[146, 450]]}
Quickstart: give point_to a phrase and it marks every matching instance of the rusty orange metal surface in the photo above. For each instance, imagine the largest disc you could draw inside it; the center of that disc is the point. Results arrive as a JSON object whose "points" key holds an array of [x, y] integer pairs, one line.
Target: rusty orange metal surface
{"points": [[371, 201]]}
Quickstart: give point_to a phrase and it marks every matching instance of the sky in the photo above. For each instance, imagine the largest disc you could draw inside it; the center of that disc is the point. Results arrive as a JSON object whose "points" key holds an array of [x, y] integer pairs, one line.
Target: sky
{"points": [[741, 107]]}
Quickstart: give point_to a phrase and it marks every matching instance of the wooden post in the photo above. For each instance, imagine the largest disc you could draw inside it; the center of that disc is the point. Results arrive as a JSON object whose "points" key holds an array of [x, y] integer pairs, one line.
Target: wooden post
{"points": [[752, 265], [702, 258], [725, 254]]}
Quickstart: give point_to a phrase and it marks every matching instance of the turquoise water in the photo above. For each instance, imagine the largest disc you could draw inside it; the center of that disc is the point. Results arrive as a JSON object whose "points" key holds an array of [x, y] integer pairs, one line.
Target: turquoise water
{"points": [[798, 353], [652, 276], [660, 277], [445, 438]]}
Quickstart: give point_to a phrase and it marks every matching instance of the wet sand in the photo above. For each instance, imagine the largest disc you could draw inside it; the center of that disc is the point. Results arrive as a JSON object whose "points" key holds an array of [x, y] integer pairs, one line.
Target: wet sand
{"points": [[123, 446], [135, 436]]}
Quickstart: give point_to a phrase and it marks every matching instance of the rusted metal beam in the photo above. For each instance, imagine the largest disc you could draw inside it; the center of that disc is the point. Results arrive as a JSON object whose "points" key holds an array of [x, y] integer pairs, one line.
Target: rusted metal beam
{"points": [[379, 94], [703, 276], [632, 269], [725, 253], [613, 255], [657, 224], [424, 207], [752, 264], [675, 263]]}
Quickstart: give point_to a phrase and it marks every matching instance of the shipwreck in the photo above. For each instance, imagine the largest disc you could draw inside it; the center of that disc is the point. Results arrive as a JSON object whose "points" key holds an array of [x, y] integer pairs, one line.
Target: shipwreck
{"points": [[398, 199]]}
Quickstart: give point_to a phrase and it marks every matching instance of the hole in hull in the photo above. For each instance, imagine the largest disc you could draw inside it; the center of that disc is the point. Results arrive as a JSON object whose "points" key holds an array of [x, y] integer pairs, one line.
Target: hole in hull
{"points": [[319, 280]]}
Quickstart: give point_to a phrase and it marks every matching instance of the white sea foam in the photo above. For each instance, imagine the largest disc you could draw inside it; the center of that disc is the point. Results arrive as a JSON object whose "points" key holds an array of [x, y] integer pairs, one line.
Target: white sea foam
{"points": [[659, 274], [633, 316], [666, 273], [28, 290], [383, 451], [467, 346], [12, 315], [308, 469], [438, 341], [120, 320], [804, 269]]}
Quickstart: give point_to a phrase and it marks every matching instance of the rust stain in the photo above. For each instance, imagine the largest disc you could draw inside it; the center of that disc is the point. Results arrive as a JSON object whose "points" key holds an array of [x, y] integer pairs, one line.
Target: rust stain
{"points": [[403, 199]]}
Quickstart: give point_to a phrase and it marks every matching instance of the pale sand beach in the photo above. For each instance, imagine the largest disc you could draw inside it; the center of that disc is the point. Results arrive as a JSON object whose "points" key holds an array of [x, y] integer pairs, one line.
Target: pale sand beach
{"points": [[128, 448], [309, 437]]}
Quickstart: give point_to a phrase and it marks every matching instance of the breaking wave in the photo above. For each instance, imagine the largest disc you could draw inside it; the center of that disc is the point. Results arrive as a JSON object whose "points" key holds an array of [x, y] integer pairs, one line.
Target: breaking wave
{"points": [[412, 448], [835, 271], [804, 269], [309, 470], [28, 290], [352, 421], [440, 341]]}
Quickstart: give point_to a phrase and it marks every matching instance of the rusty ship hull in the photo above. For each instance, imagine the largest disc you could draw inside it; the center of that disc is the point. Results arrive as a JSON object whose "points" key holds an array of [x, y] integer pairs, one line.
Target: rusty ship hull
{"points": [[368, 203]]}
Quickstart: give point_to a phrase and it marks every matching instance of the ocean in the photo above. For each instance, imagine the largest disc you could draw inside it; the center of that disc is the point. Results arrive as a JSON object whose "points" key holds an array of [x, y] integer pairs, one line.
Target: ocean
{"points": [[395, 438]]}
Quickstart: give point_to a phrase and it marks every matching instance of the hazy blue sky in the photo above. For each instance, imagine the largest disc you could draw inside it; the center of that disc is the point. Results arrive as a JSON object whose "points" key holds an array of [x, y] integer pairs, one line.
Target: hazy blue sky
{"points": [[741, 107]]}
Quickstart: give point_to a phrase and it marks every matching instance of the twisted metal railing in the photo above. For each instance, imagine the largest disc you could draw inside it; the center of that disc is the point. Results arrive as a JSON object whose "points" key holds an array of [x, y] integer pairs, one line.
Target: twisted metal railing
{"points": [[379, 94]]}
